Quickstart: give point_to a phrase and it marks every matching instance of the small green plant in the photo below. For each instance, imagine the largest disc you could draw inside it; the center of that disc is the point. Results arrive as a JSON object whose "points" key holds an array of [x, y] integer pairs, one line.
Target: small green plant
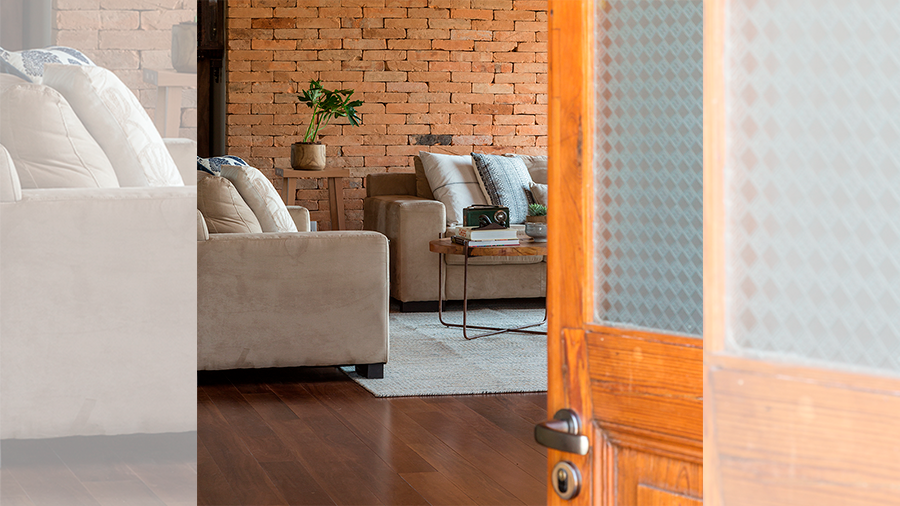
{"points": [[325, 105], [537, 210]]}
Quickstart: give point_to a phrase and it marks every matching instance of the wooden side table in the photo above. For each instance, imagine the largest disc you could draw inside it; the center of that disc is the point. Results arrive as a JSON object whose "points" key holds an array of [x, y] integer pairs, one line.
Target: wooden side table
{"points": [[446, 246], [335, 189], [169, 83]]}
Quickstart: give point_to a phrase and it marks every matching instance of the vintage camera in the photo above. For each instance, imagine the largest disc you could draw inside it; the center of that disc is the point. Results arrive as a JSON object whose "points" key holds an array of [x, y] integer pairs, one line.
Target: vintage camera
{"points": [[486, 216]]}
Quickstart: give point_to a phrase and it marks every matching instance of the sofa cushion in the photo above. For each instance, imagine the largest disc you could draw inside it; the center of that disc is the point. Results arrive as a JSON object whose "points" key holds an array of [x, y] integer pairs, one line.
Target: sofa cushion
{"points": [[539, 193], [224, 211], [50, 146], [423, 189], [452, 180], [115, 118], [506, 182], [258, 192], [29, 64], [536, 165]]}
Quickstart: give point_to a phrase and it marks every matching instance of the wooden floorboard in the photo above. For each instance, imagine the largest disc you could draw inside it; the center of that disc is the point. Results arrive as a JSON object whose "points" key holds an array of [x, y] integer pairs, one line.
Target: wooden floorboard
{"points": [[319, 438]]}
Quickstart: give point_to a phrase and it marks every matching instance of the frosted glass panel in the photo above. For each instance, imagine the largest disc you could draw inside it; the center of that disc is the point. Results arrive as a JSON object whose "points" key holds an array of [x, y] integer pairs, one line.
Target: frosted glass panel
{"points": [[813, 181], [648, 169]]}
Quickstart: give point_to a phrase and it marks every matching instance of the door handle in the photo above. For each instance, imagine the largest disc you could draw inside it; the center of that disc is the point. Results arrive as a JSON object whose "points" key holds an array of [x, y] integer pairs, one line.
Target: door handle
{"points": [[561, 433]]}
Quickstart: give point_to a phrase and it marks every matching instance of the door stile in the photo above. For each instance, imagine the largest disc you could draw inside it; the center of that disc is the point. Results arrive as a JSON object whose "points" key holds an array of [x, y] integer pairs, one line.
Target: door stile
{"points": [[570, 243]]}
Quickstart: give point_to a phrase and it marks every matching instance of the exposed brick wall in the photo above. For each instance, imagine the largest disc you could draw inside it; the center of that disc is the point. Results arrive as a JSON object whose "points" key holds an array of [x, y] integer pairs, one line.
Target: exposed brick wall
{"points": [[127, 36], [448, 76]]}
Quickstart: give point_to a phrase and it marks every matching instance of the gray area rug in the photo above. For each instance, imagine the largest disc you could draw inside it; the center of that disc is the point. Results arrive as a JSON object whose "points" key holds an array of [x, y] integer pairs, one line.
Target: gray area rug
{"points": [[427, 358]]}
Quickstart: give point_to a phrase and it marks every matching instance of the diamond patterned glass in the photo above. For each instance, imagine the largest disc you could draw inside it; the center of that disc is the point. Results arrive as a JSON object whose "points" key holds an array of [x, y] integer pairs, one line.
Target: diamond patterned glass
{"points": [[649, 164], [812, 181]]}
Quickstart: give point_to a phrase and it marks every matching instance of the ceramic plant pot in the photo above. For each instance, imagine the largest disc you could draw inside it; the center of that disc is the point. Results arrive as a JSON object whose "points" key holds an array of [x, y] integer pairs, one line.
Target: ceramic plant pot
{"points": [[307, 156], [536, 228]]}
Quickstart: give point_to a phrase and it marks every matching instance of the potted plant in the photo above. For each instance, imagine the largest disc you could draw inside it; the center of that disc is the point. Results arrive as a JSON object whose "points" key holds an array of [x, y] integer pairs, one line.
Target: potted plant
{"points": [[325, 104], [536, 222]]}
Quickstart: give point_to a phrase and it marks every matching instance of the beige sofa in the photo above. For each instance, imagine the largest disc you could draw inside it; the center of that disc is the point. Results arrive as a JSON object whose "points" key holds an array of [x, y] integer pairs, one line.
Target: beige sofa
{"points": [[97, 307], [402, 207], [285, 299]]}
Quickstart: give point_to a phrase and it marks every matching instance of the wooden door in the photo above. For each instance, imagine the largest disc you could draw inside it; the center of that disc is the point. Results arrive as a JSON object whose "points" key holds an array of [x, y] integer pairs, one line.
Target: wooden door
{"points": [[637, 384], [802, 237]]}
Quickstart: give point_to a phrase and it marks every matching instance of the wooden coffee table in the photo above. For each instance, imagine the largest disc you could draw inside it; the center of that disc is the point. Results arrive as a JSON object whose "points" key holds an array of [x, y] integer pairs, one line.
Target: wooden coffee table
{"points": [[448, 247]]}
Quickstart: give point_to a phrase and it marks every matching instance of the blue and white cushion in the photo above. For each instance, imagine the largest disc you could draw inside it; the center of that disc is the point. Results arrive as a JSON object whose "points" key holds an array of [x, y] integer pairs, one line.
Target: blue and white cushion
{"points": [[29, 64], [506, 182], [213, 165]]}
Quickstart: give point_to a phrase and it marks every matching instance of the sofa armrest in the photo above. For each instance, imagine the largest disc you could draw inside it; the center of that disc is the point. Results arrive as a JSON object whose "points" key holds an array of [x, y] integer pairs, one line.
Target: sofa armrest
{"points": [[296, 286], [10, 187], [410, 223], [390, 184], [300, 215], [98, 295], [184, 152]]}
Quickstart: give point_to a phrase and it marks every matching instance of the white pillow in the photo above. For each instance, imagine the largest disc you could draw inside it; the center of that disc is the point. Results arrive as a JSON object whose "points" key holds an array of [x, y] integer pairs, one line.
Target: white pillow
{"points": [[452, 180], [536, 165], [114, 116], [258, 192], [539, 193], [50, 146]]}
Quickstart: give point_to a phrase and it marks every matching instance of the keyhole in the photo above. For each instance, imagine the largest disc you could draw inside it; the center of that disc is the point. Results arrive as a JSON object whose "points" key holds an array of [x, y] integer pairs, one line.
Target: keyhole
{"points": [[562, 481]]}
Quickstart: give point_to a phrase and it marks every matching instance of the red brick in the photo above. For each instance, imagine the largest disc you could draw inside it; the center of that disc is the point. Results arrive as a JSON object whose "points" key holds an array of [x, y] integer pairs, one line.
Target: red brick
{"points": [[406, 3], [272, 87], [428, 55], [460, 66], [428, 33], [490, 47], [407, 87], [454, 24], [514, 57], [384, 33], [471, 35], [250, 12], [429, 98], [273, 23], [296, 34], [453, 45], [493, 25], [340, 33], [518, 98], [406, 23], [362, 65], [427, 119], [472, 77], [384, 55], [531, 130], [472, 13], [516, 78], [295, 55], [532, 47], [341, 12], [387, 98], [472, 98], [408, 130], [515, 15], [531, 26], [385, 76], [470, 119], [513, 140], [385, 160], [406, 108], [350, 43], [444, 129], [492, 109], [342, 75], [318, 23], [429, 76], [251, 55], [409, 44], [383, 140], [250, 33], [450, 87], [514, 36], [298, 12], [529, 109], [531, 88], [340, 54], [428, 13], [530, 5], [440, 108], [392, 12], [286, 45], [474, 140]]}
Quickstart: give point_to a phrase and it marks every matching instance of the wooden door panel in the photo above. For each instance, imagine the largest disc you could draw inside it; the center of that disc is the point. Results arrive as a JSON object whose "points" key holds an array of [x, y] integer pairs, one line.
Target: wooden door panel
{"points": [[775, 436], [640, 475]]}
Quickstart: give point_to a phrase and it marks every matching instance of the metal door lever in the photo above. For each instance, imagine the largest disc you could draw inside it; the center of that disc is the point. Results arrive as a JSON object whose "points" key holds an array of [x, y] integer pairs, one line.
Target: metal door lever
{"points": [[561, 433]]}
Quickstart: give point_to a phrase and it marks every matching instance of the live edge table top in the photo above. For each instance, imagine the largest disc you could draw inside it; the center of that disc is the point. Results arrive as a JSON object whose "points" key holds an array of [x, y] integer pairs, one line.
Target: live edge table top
{"points": [[448, 247]]}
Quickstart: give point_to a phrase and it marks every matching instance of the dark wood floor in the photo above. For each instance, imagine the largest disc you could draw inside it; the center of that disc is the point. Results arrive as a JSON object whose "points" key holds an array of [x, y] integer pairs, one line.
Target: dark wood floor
{"points": [[311, 436], [154, 469]]}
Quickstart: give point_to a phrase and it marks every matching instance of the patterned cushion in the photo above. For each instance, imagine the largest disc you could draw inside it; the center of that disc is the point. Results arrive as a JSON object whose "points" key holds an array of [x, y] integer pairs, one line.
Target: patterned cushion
{"points": [[258, 192], [506, 182], [537, 166], [212, 165], [116, 119], [29, 64], [452, 180]]}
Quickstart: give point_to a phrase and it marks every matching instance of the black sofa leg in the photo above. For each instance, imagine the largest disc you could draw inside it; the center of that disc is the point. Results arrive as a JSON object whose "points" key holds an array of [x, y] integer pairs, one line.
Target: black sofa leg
{"points": [[371, 371]]}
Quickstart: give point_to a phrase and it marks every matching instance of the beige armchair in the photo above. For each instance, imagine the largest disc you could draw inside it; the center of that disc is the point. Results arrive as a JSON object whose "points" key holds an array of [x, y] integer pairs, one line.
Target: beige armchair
{"points": [[285, 299]]}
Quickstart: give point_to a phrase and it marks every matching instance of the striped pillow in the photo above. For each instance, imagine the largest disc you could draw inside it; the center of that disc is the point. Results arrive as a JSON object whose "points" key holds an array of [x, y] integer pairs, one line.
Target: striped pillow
{"points": [[506, 182]]}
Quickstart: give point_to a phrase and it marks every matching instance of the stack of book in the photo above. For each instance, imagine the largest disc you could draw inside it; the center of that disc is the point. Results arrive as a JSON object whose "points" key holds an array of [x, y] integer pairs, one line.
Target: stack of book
{"points": [[475, 237]]}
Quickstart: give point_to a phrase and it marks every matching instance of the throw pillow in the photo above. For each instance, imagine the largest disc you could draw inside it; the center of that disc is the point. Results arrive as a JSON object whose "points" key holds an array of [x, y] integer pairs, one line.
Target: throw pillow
{"points": [[212, 165], [453, 182], [258, 192], [539, 193], [224, 211], [49, 145], [506, 182], [116, 119], [29, 64], [537, 166], [423, 190]]}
